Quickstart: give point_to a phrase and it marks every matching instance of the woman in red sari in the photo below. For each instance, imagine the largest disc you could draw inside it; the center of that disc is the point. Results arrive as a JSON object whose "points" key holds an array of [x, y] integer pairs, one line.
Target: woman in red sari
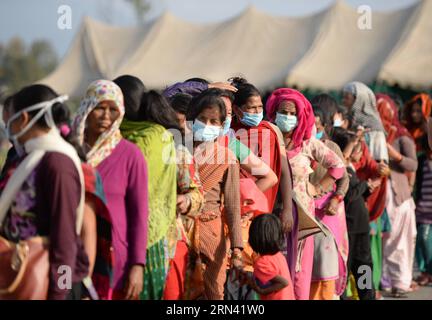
{"points": [[265, 140], [262, 138]]}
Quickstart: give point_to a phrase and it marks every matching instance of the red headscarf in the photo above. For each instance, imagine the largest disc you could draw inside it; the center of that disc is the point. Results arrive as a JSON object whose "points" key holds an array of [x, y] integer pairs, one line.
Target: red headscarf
{"points": [[426, 106], [305, 115], [389, 116]]}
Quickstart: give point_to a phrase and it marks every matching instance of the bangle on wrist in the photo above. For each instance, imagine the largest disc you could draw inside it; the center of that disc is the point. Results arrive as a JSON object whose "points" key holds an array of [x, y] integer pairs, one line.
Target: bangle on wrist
{"points": [[338, 197]]}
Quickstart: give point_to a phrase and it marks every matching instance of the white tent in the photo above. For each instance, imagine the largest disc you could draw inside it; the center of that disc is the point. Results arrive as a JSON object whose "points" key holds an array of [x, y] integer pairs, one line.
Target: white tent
{"points": [[97, 52], [324, 50], [344, 52], [261, 47], [410, 64]]}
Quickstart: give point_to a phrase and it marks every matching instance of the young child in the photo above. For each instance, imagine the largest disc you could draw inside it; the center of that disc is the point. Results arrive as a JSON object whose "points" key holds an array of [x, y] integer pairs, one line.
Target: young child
{"points": [[271, 277]]}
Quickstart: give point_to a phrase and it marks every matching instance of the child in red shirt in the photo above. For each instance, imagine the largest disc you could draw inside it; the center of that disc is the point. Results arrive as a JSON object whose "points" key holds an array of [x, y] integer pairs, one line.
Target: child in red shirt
{"points": [[271, 277]]}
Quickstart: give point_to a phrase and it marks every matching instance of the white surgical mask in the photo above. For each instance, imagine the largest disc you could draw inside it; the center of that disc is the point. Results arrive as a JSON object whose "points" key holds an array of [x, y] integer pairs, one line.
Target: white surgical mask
{"points": [[203, 132], [45, 110], [337, 123], [286, 123]]}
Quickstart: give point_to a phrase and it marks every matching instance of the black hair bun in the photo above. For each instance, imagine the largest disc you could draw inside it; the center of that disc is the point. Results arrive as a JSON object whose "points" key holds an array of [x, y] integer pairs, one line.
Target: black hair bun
{"points": [[60, 113], [237, 81]]}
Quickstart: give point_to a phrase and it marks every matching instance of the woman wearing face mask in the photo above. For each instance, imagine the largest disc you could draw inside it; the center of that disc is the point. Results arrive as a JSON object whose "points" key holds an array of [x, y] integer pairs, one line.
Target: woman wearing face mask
{"points": [[326, 207], [264, 140], [219, 172], [123, 170], [44, 197], [263, 178], [293, 114]]}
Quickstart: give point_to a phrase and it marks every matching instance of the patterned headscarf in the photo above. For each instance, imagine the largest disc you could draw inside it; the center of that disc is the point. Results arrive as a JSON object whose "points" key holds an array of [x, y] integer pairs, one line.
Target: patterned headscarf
{"points": [[98, 91], [364, 108], [305, 115]]}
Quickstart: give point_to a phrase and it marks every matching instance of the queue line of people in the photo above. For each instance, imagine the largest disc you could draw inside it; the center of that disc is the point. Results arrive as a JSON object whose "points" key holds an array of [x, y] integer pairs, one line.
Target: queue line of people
{"points": [[204, 191]]}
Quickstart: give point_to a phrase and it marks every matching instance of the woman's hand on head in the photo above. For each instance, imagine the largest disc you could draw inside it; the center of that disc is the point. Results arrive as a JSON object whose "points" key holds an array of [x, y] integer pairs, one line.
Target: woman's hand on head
{"points": [[222, 86]]}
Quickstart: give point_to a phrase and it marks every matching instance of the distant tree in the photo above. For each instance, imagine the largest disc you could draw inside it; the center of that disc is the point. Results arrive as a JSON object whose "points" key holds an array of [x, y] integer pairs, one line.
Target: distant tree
{"points": [[42, 58], [21, 65], [142, 8]]}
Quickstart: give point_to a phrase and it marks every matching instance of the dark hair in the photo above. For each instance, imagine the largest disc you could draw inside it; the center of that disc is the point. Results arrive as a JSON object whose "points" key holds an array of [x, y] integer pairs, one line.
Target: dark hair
{"points": [[319, 112], [342, 137], [227, 94], [35, 94], [397, 99], [133, 90], [348, 116], [201, 80], [245, 90], [418, 101], [327, 104], [61, 114], [180, 102], [203, 101], [7, 104], [265, 234], [155, 108], [343, 111]]}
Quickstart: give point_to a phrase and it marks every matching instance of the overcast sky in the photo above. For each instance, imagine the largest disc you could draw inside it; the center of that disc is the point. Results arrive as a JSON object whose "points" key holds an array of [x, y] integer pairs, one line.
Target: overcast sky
{"points": [[30, 19]]}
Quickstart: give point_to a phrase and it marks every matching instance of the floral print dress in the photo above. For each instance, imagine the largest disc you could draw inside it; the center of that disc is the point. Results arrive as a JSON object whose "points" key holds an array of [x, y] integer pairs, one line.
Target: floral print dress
{"points": [[301, 165], [20, 221]]}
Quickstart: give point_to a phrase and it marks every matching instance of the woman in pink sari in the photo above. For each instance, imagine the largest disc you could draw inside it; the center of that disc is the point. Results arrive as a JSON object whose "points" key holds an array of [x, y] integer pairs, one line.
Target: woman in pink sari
{"points": [[293, 114]]}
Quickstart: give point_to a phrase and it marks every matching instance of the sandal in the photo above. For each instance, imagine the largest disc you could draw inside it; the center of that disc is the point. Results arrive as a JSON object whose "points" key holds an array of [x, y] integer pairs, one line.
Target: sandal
{"points": [[422, 280], [399, 293]]}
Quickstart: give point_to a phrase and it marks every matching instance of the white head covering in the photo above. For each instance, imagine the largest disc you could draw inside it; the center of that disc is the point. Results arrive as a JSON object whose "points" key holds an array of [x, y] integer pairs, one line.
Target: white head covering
{"points": [[364, 108]]}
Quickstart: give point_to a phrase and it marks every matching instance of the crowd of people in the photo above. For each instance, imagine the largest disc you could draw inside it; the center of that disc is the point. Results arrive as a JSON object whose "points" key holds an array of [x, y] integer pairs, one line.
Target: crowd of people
{"points": [[204, 191]]}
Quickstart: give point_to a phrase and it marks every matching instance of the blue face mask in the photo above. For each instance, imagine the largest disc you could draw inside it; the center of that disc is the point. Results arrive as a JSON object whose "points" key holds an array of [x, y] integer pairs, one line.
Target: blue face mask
{"points": [[286, 123], [337, 123], [227, 126], [252, 119], [202, 132], [319, 135]]}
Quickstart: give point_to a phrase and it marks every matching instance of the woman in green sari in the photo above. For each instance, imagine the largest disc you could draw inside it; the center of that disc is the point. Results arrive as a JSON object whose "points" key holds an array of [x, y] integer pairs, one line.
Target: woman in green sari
{"points": [[146, 125]]}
